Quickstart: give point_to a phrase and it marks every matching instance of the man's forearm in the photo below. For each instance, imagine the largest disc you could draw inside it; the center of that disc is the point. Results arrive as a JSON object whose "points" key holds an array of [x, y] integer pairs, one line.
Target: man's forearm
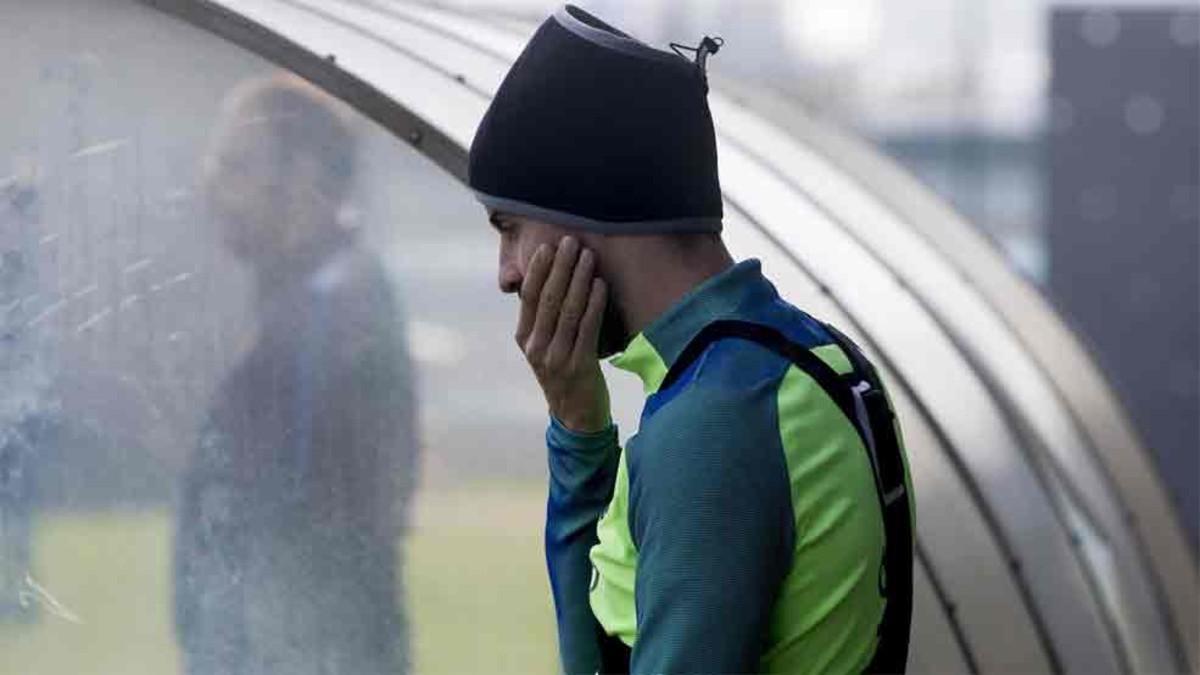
{"points": [[583, 469]]}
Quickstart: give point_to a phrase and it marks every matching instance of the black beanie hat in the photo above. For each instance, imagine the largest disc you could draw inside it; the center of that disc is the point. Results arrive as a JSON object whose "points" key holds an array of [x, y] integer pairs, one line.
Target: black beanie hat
{"points": [[594, 130]]}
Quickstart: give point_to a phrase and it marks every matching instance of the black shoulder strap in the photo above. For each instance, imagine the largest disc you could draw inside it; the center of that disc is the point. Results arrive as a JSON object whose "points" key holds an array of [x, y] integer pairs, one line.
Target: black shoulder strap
{"points": [[772, 339], [861, 398]]}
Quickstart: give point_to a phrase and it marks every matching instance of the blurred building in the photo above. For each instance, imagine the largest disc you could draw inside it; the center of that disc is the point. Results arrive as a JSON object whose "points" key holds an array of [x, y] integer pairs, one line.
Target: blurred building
{"points": [[1124, 215]]}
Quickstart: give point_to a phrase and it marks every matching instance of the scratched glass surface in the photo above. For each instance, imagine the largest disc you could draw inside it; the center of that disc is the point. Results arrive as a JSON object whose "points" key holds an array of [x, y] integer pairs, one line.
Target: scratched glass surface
{"points": [[261, 411]]}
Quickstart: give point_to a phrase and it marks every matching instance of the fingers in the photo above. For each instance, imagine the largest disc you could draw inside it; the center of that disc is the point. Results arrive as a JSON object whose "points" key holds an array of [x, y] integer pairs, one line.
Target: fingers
{"points": [[531, 292], [550, 303], [573, 308], [587, 339]]}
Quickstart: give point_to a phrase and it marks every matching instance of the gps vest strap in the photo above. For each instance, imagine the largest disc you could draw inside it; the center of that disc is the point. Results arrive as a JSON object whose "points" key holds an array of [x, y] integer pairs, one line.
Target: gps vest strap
{"points": [[861, 398]]}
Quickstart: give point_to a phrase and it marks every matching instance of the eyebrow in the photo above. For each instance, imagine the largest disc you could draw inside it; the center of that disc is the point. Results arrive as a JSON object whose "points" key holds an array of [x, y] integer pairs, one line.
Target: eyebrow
{"points": [[497, 220]]}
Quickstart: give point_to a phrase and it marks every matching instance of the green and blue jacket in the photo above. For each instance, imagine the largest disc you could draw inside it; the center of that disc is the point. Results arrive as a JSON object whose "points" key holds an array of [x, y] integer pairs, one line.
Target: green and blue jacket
{"points": [[739, 530]]}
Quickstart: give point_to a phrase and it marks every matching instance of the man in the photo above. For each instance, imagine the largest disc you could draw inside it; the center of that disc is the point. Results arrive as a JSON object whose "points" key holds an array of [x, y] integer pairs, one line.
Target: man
{"points": [[742, 528], [285, 551]]}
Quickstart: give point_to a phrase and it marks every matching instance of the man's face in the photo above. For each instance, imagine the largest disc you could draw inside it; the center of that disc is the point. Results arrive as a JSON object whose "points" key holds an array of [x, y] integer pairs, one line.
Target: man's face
{"points": [[242, 188], [520, 237], [264, 205]]}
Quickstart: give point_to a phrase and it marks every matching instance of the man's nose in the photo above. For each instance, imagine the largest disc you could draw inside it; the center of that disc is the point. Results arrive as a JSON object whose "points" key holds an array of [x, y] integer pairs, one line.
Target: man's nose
{"points": [[509, 277], [509, 284]]}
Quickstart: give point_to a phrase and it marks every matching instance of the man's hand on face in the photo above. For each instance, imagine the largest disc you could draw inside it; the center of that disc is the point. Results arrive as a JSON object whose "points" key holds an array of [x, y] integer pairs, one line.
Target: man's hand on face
{"points": [[562, 305]]}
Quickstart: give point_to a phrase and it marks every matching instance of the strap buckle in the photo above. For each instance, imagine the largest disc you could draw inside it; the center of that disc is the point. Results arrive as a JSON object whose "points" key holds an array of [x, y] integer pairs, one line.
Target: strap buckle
{"points": [[869, 404]]}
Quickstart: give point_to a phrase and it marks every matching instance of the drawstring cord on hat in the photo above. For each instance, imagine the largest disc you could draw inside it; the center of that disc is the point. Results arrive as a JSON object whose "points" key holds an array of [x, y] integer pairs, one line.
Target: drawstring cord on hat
{"points": [[708, 47]]}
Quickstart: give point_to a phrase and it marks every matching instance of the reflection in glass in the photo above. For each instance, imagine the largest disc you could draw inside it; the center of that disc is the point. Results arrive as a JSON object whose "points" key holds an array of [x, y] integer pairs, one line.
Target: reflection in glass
{"points": [[140, 318], [284, 548]]}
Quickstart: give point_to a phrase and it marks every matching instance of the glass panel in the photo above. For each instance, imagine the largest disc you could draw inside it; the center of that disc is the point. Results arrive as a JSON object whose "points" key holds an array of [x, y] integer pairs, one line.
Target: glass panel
{"points": [[261, 407]]}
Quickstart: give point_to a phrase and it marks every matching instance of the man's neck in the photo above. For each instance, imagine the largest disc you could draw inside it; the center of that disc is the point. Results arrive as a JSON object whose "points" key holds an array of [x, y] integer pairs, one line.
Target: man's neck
{"points": [[655, 275]]}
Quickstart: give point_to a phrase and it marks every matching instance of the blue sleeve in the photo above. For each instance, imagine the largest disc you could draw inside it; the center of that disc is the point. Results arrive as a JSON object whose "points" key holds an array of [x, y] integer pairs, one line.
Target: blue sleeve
{"points": [[711, 516], [583, 469]]}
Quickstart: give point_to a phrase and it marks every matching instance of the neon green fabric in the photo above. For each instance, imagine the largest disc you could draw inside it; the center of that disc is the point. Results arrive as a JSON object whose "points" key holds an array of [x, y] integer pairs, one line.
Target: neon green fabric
{"points": [[611, 595], [641, 358], [829, 605], [833, 357]]}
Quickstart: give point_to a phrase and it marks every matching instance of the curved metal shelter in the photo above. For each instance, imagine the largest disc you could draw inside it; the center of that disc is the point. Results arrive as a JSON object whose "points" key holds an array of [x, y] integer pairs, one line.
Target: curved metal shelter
{"points": [[1046, 542]]}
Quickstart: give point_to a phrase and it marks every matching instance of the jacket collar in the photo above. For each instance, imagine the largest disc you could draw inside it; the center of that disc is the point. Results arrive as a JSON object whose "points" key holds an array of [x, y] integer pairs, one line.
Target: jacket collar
{"points": [[652, 352]]}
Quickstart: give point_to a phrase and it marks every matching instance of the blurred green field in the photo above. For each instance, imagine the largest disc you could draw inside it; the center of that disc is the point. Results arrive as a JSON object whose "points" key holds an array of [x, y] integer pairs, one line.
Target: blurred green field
{"points": [[478, 598]]}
